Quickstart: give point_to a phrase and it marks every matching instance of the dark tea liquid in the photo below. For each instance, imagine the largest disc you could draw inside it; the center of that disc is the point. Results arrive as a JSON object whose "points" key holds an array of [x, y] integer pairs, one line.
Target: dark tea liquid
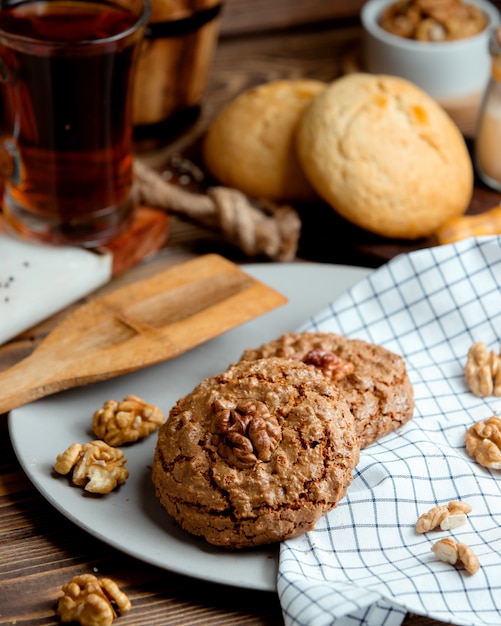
{"points": [[66, 107]]}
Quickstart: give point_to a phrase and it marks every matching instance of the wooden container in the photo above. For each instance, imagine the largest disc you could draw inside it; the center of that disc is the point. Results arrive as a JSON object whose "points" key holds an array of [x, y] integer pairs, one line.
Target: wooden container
{"points": [[173, 65]]}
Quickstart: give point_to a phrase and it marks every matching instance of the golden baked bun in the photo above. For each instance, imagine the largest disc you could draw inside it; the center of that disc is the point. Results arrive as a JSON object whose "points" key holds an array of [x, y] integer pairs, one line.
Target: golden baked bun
{"points": [[250, 143], [385, 156]]}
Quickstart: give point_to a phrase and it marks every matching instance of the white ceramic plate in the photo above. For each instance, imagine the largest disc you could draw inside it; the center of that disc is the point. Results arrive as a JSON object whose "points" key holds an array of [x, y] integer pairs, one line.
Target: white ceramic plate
{"points": [[131, 519]]}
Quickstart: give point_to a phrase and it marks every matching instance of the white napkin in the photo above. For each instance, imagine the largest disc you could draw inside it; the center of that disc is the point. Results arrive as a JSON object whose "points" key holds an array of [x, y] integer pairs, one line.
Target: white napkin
{"points": [[37, 280], [364, 564]]}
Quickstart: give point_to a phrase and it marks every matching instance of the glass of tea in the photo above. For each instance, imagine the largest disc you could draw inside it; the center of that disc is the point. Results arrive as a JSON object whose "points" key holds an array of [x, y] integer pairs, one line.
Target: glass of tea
{"points": [[66, 151]]}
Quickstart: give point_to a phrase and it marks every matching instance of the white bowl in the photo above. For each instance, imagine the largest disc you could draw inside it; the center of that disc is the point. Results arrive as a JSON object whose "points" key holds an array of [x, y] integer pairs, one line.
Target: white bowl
{"points": [[445, 70]]}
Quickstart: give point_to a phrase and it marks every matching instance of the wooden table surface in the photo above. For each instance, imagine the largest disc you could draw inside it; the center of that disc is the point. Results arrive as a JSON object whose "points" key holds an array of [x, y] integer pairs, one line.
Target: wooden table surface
{"points": [[39, 548]]}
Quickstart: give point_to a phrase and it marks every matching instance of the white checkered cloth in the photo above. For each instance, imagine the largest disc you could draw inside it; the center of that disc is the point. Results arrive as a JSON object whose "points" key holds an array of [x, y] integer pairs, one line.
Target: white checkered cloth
{"points": [[364, 564]]}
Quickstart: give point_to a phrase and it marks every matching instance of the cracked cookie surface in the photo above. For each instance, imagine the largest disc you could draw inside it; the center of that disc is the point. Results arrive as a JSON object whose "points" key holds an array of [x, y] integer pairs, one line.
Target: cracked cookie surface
{"points": [[256, 454], [373, 380]]}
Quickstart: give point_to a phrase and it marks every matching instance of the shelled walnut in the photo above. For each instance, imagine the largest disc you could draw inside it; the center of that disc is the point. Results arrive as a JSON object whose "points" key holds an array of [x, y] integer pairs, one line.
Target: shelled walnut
{"points": [[91, 601], [483, 442], [96, 466], [330, 364], [446, 517], [483, 371], [455, 553], [246, 433], [126, 421]]}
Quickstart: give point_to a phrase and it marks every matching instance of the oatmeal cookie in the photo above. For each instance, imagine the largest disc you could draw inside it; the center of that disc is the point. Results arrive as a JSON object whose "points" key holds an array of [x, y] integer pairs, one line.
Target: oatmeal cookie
{"points": [[256, 454], [373, 380]]}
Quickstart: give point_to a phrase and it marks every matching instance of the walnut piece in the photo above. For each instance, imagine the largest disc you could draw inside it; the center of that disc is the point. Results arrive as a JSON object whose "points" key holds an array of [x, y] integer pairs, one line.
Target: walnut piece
{"points": [[126, 421], [91, 602], [483, 442], [483, 371], [245, 434], [430, 30], [446, 517], [450, 551], [330, 364], [96, 466]]}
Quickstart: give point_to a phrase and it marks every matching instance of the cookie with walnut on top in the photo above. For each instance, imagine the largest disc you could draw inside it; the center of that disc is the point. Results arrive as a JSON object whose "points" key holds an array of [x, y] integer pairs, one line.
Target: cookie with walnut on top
{"points": [[373, 380], [256, 454]]}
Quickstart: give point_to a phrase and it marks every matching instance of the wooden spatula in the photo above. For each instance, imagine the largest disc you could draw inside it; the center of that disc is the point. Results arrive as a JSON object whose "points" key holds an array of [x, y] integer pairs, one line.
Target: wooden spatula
{"points": [[141, 324]]}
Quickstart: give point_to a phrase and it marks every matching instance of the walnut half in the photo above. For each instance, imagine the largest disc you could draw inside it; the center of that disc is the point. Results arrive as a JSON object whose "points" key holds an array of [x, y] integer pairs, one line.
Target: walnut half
{"points": [[450, 551], [330, 364], [96, 466], [126, 421], [483, 442], [446, 517], [245, 434], [91, 602], [483, 371]]}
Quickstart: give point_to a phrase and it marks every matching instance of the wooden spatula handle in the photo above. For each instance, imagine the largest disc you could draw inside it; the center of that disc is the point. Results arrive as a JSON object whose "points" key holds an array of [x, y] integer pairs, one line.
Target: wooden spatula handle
{"points": [[26, 382]]}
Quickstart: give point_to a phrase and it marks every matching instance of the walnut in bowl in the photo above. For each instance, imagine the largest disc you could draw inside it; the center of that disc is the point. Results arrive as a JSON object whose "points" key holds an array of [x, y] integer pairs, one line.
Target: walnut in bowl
{"points": [[434, 20], [448, 59]]}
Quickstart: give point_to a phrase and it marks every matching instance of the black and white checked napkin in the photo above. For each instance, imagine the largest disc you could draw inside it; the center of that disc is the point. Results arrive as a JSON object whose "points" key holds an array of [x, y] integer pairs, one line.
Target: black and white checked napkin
{"points": [[364, 564]]}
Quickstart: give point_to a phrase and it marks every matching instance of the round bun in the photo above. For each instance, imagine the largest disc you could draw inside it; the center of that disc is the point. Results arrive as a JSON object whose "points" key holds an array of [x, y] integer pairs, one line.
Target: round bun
{"points": [[250, 143], [385, 155], [255, 455]]}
